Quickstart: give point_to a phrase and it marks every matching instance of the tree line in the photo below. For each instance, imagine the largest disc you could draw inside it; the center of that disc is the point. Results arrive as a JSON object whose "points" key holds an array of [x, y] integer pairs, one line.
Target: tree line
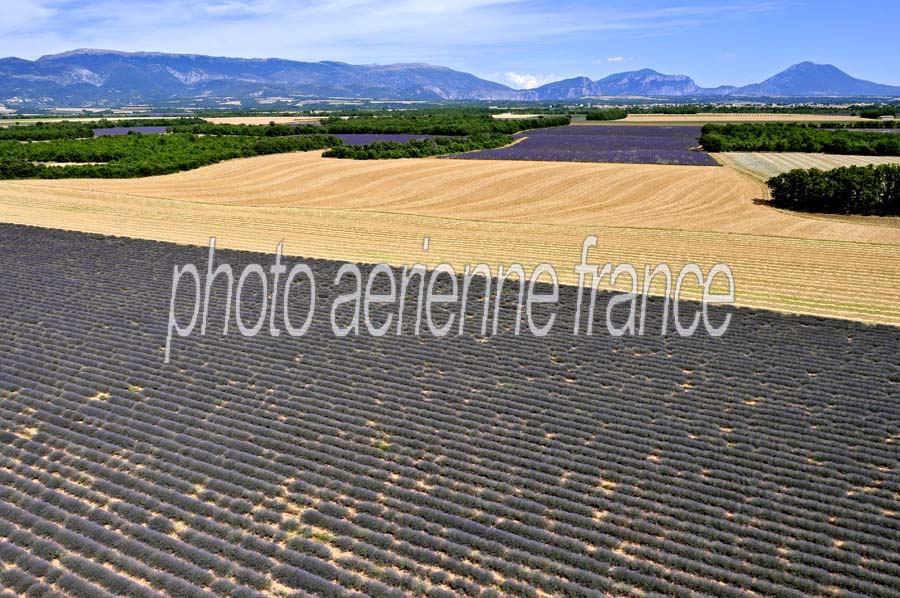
{"points": [[129, 156], [457, 130], [457, 123], [867, 190], [794, 137], [450, 122], [270, 130], [878, 112], [418, 148], [608, 114], [68, 149], [66, 129]]}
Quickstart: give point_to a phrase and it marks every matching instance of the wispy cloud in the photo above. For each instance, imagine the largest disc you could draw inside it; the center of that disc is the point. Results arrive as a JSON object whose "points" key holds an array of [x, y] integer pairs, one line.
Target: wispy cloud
{"points": [[239, 9], [524, 37], [24, 16], [429, 7], [280, 27], [518, 38]]}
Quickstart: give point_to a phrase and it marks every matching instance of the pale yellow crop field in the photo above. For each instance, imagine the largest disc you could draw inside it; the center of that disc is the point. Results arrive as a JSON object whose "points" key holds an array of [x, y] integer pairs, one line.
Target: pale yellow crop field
{"points": [[261, 120], [514, 116], [230, 120], [768, 164], [9, 122], [494, 212], [716, 117], [698, 198]]}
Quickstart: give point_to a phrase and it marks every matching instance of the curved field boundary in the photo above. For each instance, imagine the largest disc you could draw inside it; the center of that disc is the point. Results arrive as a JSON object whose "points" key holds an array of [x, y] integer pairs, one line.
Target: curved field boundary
{"points": [[858, 281]]}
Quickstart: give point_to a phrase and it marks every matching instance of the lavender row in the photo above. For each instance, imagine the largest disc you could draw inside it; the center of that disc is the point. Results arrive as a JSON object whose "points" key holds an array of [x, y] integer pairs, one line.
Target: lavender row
{"points": [[111, 131], [755, 464]]}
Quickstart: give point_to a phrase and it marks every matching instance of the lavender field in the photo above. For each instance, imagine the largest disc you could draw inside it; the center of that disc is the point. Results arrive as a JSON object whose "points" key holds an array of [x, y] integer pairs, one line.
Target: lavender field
{"points": [[109, 131], [620, 144], [763, 463]]}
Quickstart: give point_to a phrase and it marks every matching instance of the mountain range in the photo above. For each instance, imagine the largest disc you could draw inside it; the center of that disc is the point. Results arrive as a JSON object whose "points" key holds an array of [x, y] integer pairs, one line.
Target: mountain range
{"points": [[110, 78]]}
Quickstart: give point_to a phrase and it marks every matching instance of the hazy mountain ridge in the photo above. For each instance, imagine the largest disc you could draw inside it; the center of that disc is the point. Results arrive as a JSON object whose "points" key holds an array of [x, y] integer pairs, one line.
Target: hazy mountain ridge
{"points": [[800, 80], [825, 78], [111, 77], [117, 77]]}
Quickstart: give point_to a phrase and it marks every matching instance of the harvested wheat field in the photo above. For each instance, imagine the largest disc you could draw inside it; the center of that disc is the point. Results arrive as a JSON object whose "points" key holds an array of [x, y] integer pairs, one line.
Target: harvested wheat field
{"points": [[697, 198], [768, 164], [9, 122], [493, 212], [514, 116], [227, 120], [261, 120], [725, 117]]}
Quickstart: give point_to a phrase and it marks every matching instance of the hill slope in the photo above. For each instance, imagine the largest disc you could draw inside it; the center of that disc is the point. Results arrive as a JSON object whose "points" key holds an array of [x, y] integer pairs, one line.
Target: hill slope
{"points": [[810, 79], [119, 77]]}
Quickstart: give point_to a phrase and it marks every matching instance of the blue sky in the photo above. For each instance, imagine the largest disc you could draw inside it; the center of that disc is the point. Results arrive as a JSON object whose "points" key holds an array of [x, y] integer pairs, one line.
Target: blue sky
{"points": [[518, 42]]}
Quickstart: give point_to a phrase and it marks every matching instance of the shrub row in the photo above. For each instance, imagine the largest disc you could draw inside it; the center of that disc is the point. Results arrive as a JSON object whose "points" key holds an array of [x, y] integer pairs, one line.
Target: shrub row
{"points": [[868, 190], [129, 156], [793, 137], [452, 122], [610, 114], [418, 148], [45, 131]]}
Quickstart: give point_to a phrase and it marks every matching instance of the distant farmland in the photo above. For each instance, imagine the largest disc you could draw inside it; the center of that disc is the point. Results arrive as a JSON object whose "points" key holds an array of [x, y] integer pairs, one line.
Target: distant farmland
{"points": [[762, 463], [609, 143], [677, 119], [263, 120]]}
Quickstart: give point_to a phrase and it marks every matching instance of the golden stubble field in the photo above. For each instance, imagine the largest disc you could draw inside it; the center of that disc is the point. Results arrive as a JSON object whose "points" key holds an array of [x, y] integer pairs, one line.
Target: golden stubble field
{"points": [[229, 120], [261, 120], [725, 117], [495, 212]]}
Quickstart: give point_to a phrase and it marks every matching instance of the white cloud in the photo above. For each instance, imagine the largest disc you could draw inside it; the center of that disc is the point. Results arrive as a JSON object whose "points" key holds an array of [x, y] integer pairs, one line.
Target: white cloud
{"points": [[23, 15], [526, 81], [470, 35], [430, 7], [230, 8], [615, 59]]}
